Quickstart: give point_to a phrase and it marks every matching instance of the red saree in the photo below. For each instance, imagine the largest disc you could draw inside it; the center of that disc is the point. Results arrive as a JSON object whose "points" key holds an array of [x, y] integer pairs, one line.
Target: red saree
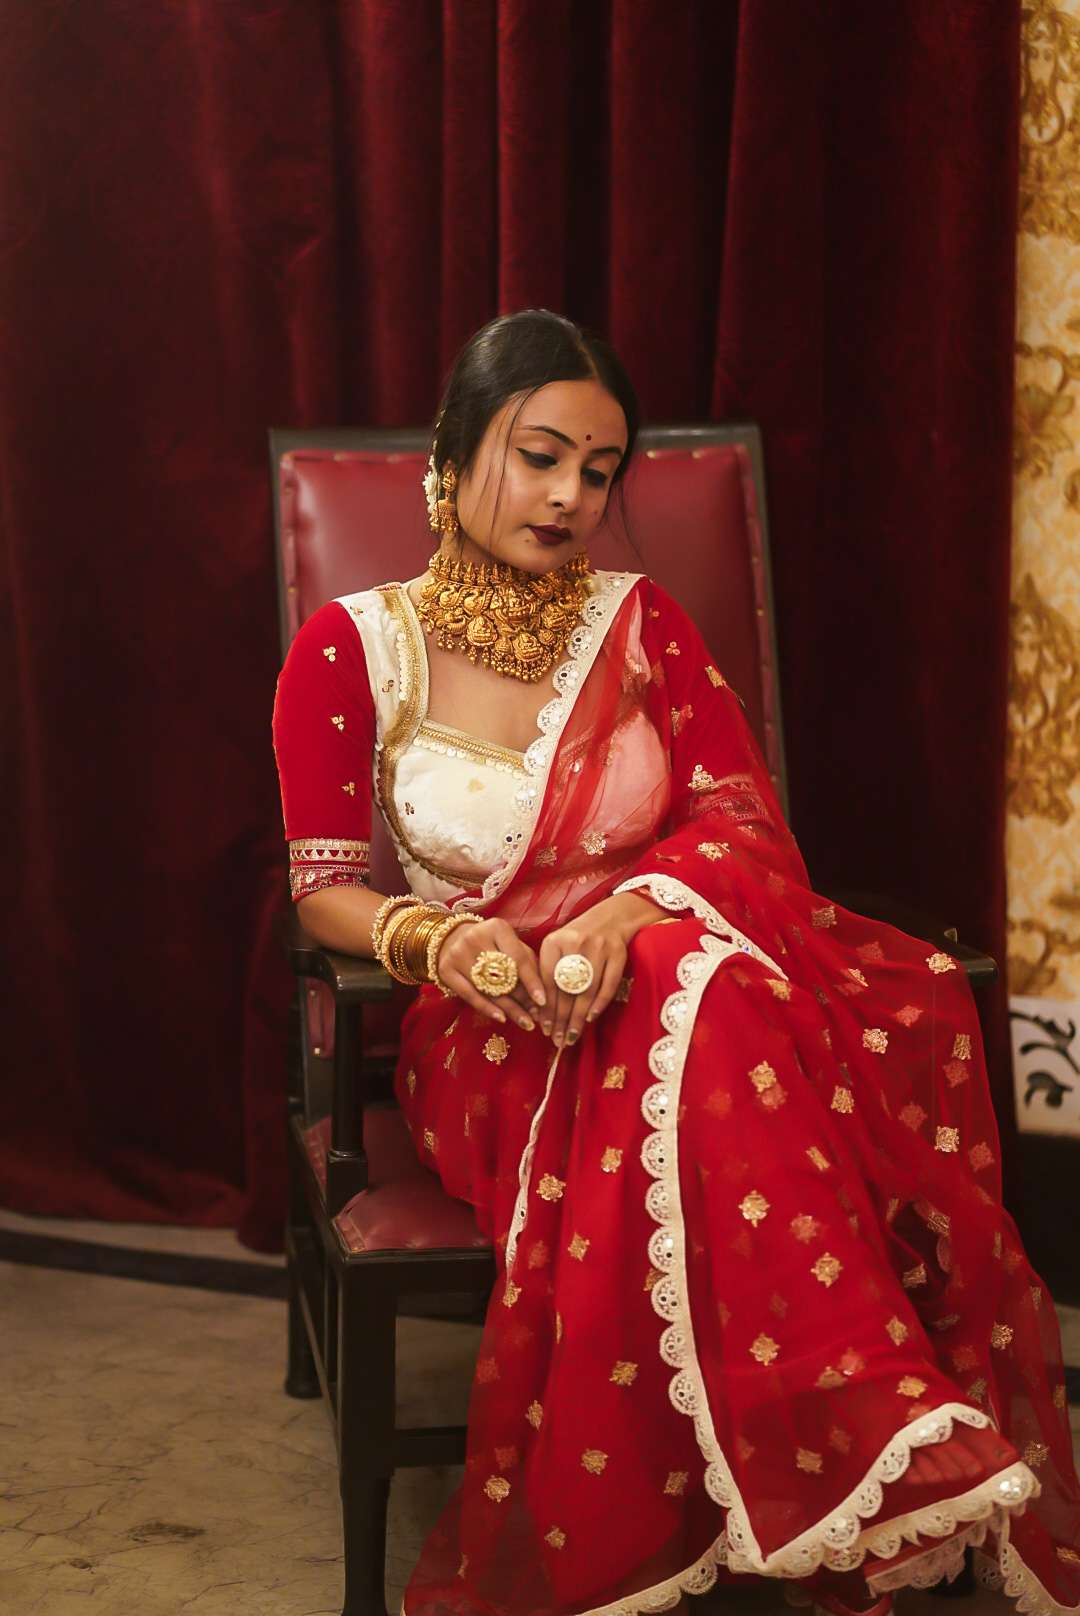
{"points": [[752, 1246]]}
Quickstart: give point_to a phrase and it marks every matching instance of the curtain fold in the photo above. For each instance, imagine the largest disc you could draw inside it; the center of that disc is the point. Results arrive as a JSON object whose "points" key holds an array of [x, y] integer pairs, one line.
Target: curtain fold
{"points": [[278, 212]]}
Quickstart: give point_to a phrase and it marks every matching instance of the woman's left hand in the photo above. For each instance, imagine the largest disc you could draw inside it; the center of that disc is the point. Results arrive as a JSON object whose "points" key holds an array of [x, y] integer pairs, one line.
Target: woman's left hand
{"points": [[603, 935]]}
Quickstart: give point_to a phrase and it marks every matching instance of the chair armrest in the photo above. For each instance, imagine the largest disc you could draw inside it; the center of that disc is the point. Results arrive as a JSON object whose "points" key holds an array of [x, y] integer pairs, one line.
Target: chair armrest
{"points": [[980, 968], [352, 980]]}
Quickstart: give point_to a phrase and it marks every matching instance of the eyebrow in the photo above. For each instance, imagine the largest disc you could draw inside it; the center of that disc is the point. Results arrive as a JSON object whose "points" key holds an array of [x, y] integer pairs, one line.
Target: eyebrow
{"points": [[612, 448]]}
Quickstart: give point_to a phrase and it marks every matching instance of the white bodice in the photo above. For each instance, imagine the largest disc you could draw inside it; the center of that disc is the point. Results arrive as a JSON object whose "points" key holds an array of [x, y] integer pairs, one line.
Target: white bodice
{"points": [[458, 807]]}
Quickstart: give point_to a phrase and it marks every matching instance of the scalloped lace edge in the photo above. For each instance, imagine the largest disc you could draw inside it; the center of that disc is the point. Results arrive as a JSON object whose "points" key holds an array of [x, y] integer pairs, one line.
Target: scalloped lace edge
{"points": [[838, 1539]]}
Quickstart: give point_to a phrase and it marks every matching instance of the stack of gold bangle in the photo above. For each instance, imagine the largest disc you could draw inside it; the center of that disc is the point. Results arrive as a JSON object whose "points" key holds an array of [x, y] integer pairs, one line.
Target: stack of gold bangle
{"points": [[407, 934]]}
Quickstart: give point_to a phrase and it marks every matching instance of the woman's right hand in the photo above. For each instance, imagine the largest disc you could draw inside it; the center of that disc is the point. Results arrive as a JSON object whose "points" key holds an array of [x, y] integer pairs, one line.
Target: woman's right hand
{"points": [[458, 953]]}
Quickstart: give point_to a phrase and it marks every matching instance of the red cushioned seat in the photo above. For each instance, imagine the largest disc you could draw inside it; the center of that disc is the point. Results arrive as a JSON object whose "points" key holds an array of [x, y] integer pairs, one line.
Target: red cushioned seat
{"points": [[405, 1206]]}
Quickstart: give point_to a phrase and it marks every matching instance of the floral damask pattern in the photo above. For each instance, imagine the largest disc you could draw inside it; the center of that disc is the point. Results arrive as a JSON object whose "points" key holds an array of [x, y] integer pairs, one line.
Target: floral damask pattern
{"points": [[1043, 744]]}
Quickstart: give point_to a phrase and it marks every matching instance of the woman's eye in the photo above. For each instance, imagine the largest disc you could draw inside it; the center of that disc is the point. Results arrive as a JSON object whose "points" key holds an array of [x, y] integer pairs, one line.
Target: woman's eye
{"points": [[540, 460], [597, 478]]}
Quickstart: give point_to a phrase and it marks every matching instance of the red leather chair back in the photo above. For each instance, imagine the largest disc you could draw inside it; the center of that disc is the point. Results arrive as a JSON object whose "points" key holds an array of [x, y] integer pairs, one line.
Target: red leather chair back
{"points": [[350, 513]]}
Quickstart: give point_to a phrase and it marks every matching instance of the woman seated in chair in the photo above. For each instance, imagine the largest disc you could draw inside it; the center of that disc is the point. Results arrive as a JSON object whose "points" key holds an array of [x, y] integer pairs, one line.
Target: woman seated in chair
{"points": [[759, 1309]]}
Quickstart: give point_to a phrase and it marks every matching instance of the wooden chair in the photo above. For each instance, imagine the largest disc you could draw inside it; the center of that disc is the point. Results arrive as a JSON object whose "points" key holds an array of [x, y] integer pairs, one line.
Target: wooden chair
{"points": [[370, 1229]]}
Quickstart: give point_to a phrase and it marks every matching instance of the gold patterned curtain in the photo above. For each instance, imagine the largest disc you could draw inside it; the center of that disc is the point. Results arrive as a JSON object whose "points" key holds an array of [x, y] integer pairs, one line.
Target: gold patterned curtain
{"points": [[1043, 791]]}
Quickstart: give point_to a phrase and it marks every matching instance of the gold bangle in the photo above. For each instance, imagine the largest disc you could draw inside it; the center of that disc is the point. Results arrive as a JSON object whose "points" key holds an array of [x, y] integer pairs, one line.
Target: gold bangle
{"points": [[389, 954], [435, 942], [405, 940], [382, 915]]}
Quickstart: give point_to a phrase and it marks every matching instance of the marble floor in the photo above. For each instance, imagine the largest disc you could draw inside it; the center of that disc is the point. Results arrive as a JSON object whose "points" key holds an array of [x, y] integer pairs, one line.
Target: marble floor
{"points": [[151, 1464]]}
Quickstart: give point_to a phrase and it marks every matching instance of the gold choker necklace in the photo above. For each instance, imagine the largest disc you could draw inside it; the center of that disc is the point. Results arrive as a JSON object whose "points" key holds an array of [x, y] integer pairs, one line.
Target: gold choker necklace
{"points": [[514, 621]]}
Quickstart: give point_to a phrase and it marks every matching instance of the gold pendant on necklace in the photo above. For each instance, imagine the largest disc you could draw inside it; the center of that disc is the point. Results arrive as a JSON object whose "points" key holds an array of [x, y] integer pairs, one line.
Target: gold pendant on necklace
{"points": [[514, 621]]}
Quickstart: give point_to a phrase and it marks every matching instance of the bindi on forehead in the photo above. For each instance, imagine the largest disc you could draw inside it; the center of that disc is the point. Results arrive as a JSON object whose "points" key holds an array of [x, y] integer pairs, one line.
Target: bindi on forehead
{"points": [[588, 437]]}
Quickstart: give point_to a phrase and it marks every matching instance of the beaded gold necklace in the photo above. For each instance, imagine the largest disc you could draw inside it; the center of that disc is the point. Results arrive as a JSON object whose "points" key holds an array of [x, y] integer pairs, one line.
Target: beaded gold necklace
{"points": [[514, 621]]}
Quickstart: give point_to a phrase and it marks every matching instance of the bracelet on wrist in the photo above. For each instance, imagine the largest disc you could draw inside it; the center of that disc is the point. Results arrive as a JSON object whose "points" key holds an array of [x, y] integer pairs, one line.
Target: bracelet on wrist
{"points": [[441, 932]]}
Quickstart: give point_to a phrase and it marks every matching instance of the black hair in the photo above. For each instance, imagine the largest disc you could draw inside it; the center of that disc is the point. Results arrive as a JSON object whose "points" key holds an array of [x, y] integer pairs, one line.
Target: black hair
{"points": [[518, 354]]}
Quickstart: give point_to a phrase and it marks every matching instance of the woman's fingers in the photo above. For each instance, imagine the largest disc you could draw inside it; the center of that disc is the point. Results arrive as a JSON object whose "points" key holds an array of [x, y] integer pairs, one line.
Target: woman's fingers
{"points": [[613, 972]]}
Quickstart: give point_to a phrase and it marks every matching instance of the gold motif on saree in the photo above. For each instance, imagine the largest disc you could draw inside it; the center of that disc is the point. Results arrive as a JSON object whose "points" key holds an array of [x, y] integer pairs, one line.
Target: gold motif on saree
{"points": [[778, 1305], [714, 850], [962, 1046], [497, 1488], [908, 1015], [330, 653], [818, 1158], [914, 1277], [430, 1140], [546, 855], [764, 1349], [839, 1439], [463, 1567], [939, 963], [754, 1207], [506, 1458], [809, 1461], [496, 1049], [1058, 1396], [680, 716], [410, 1081], [672, 649], [955, 1073], [338, 720], [594, 1461], [1067, 1556], [487, 1370], [701, 779], [550, 1188], [614, 1077], [535, 1414], [913, 1116], [652, 1278], [594, 842], [611, 1160], [827, 1269], [910, 1386], [980, 1156], [624, 1373], [843, 1100], [804, 1227], [778, 987], [715, 677], [578, 1247], [1001, 1335], [829, 1379], [676, 1484], [539, 1256], [823, 917], [947, 1140], [556, 1537], [1036, 1296], [511, 1293], [349, 788], [875, 1039], [762, 1077], [964, 1358]]}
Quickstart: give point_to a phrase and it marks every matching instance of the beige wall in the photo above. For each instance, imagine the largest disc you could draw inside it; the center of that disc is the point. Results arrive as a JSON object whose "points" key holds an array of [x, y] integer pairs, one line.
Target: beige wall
{"points": [[1043, 828]]}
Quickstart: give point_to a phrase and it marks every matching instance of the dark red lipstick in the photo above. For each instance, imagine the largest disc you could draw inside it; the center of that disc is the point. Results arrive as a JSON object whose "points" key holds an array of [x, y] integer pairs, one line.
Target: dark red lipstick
{"points": [[551, 535]]}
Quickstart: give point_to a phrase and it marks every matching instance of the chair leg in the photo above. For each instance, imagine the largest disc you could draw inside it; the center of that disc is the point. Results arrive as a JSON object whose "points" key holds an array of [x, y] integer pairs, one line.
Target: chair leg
{"points": [[364, 1503], [301, 1378]]}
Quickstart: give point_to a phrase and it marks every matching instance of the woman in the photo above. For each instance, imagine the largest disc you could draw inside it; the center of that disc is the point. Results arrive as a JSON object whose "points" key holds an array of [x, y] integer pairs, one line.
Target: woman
{"points": [[759, 1310]]}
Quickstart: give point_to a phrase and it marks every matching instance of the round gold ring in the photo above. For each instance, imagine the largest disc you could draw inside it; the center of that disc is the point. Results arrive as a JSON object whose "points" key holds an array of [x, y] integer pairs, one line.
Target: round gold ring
{"points": [[493, 972], [573, 973]]}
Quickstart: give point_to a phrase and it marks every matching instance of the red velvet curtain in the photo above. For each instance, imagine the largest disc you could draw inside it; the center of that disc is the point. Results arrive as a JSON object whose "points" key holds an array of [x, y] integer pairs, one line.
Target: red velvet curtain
{"points": [[294, 211]]}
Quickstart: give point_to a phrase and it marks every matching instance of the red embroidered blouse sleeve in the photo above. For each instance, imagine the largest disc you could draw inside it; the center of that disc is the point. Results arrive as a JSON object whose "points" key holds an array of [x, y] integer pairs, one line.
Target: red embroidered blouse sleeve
{"points": [[324, 737]]}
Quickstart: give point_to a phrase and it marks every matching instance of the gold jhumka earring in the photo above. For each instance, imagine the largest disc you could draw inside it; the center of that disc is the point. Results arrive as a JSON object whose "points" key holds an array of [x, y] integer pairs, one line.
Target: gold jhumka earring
{"points": [[439, 491]]}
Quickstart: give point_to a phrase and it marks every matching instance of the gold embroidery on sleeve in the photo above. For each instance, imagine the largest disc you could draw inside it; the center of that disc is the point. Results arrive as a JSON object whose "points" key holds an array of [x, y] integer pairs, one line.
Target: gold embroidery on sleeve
{"points": [[338, 720], [330, 653]]}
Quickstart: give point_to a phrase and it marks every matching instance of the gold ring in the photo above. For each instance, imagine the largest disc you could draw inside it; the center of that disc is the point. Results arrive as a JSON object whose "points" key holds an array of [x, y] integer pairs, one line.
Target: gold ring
{"points": [[493, 972], [573, 973]]}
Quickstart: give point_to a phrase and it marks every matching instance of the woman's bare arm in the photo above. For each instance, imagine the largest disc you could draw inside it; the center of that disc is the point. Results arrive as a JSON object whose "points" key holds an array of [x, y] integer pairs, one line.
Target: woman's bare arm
{"points": [[341, 917]]}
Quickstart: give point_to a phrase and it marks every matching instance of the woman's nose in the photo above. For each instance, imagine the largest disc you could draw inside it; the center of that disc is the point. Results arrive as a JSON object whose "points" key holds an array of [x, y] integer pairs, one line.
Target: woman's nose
{"points": [[566, 492]]}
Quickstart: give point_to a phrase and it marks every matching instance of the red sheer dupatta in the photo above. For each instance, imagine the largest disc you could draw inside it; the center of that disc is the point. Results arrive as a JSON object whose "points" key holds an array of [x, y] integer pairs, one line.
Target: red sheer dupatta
{"points": [[753, 1247]]}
